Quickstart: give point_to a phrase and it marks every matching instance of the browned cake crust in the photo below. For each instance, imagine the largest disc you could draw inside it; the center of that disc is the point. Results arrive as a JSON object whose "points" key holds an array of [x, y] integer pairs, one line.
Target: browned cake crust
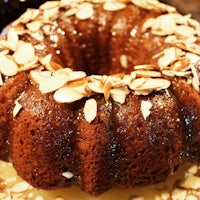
{"points": [[131, 121]]}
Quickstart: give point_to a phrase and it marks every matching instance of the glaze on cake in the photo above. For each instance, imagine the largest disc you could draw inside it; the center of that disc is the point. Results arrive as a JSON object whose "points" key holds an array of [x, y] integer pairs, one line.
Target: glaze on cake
{"points": [[100, 94]]}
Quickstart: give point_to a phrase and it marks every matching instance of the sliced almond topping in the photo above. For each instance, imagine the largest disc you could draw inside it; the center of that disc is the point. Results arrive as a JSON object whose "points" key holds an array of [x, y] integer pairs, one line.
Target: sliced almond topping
{"points": [[167, 24], [67, 94], [145, 108], [30, 65], [124, 61], [168, 57], [26, 17], [191, 182], [53, 83], [147, 73], [50, 14], [49, 5], [148, 24], [119, 94], [20, 187], [75, 75], [24, 53], [85, 11], [181, 64], [179, 194], [149, 84], [80, 86], [96, 86], [12, 39], [17, 108], [90, 110], [136, 83], [71, 12], [39, 76], [34, 26], [68, 174], [4, 52], [7, 66], [113, 6], [184, 31], [107, 86], [1, 80], [146, 67]]}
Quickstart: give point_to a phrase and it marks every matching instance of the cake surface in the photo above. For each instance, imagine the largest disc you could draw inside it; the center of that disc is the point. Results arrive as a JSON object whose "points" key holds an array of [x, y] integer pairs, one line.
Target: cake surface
{"points": [[100, 94]]}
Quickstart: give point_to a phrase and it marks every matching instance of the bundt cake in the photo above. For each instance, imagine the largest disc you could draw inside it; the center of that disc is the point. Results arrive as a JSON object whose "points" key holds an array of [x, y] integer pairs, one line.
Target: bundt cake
{"points": [[100, 93]]}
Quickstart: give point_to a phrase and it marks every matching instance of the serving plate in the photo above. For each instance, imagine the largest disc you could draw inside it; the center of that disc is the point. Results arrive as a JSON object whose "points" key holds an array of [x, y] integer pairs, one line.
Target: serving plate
{"points": [[184, 185]]}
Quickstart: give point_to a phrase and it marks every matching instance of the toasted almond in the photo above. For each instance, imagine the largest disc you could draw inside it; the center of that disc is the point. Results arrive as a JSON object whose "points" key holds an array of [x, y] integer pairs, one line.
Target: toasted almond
{"points": [[184, 31], [17, 108], [168, 57], [34, 26], [191, 182], [167, 24], [85, 11], [76, 75], [113, 6], [90, 110], [119, 94], [55, 65], [182, 64], [124, 61], [20, 187], [148, 24], [149, 84], [53, 83], [146, 67], [145, 108], [68, 174], [67, 94], [26, 17], [71, 12], [24, 53], [96, 86], [30, 65], [136, 83], [1, 80], [147, 73], [107, 86], [49, 5], [50, 14], [4, 52], [179, 194], [13, 39], [39, 76], [8, 67]]}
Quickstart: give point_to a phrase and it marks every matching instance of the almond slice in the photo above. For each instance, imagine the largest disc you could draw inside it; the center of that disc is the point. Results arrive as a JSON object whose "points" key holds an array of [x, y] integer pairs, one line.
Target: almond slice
{"points": [[147, 73], [119, 94], [24, 53], [12, 39], [145, 108], [7, 66], [52, 83], [17, 108], [124, 61], [149, 84], [90, 110], [75, 75], [20, 187], [113, 6], [1, 80], [85, 11], [68, 174], [66, 94]]}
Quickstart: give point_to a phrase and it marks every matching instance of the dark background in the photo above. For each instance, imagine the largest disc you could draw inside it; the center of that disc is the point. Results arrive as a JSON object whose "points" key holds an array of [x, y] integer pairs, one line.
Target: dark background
{"points": [[12, 9]]}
